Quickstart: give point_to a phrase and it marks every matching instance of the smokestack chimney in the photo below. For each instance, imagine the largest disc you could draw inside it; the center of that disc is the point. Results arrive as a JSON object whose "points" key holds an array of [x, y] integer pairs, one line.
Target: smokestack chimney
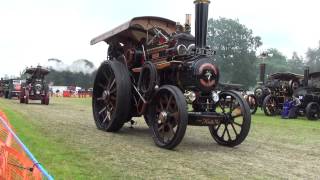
{"points": [[201, 22], [187, 24], [306, 76], [262, 72]]}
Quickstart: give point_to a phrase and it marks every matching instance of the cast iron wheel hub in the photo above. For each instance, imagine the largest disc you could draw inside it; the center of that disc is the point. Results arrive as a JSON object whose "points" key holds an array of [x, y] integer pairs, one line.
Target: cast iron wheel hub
{"points": [[163, 116], [228, 118], [106, 95]]}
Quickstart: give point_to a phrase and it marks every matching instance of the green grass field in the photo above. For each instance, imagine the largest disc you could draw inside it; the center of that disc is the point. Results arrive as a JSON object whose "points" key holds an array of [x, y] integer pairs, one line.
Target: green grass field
{"points": [[65, 140]]}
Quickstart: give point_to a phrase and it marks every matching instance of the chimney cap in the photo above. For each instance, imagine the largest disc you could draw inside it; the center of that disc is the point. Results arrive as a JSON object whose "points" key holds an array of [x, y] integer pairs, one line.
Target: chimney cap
{"points": [[202, 1]]}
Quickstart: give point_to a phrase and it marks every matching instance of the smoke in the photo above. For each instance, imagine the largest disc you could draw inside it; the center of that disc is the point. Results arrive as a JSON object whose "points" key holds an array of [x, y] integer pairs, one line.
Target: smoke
{"points": [[81, 65]]}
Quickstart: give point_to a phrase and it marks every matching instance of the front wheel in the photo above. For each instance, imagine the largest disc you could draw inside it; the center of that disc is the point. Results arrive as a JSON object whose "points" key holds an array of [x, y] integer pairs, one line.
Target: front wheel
{"points": [[21, 96], [46, 99], [252, 102], [236, 125], [270, 106], [313, 111], [26, 99], [168, 116]]}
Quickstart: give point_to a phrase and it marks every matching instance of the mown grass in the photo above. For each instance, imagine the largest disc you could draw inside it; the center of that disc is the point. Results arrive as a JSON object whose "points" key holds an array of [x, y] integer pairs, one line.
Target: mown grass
{"points": [[64, 139], [61, 160]]}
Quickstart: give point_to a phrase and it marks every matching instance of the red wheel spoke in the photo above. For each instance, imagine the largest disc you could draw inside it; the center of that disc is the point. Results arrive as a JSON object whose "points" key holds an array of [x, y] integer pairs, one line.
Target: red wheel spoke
{"points": [[161, 103], [171, 129], [169, 102]]}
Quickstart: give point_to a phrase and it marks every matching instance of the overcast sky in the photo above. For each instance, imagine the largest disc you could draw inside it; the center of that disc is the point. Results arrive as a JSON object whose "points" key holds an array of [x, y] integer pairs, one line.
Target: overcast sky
{"points": [[32, 31]]}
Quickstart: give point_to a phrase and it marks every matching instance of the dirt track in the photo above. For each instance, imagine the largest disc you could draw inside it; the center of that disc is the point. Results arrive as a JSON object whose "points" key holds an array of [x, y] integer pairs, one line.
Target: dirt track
{"points": [[274, 148]]}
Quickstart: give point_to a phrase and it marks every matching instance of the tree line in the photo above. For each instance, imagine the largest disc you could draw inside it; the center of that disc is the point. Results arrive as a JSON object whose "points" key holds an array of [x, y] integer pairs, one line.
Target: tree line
{"points": [[69, 78], [237, 57]]}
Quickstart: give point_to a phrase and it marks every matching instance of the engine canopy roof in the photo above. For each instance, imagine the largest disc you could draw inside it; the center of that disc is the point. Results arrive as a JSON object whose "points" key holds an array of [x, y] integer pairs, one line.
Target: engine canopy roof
{"points": [[136, 28], [285, 76]]}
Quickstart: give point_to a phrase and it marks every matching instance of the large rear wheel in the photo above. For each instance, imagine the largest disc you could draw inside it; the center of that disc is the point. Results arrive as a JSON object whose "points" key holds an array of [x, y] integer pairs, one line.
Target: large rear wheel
{"points": [[168, 117], [111, 96], [236, 125]]}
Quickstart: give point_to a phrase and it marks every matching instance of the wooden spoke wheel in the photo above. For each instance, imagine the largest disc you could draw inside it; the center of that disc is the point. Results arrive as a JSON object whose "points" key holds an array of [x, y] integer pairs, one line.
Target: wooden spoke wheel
{"points": [[270, 106], [168, 116], [236, 125], [21, 96], [26, 95], [313, 111], [252, 102], [46, 99], [111, 96]]}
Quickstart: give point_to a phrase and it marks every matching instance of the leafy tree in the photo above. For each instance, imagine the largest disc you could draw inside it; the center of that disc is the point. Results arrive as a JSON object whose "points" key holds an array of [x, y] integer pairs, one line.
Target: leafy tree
{"points": [[80, 73], [236, 47], [313, 58], [275, 62], [296, 64]]}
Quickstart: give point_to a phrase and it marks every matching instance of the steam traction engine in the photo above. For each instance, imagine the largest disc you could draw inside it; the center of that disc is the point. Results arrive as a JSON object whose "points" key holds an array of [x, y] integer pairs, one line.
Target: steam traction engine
{"points": [[281, 86], [158, 70], [35, 87], [309, 94]]}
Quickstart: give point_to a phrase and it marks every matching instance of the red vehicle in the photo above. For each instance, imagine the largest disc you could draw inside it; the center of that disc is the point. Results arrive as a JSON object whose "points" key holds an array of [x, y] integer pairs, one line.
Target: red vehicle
{"points": [[35, 87], [11, 88]]}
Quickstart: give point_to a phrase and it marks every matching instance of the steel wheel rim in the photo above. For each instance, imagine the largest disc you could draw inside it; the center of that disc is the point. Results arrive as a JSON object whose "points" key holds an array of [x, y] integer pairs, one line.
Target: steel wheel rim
{"points": [[167, 119], [230, 130]]}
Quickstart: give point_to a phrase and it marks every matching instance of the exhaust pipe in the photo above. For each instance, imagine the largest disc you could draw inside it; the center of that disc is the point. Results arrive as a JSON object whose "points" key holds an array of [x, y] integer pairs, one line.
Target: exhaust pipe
{"points": [[201, 21], [262, 72], [306, 76]]}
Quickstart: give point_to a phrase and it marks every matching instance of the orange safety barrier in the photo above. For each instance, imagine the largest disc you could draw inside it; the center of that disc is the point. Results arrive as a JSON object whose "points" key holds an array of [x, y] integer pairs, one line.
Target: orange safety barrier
{"points": [[14, 162]]}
